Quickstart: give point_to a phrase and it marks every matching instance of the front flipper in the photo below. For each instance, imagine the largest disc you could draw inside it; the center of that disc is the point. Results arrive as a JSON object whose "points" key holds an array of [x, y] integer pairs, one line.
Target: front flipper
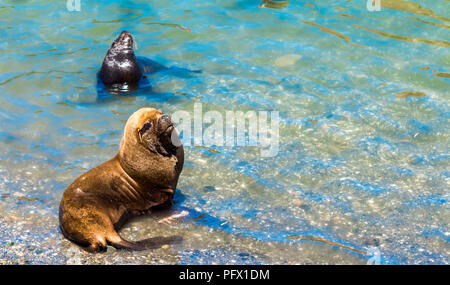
{"points": [[171, 218]]}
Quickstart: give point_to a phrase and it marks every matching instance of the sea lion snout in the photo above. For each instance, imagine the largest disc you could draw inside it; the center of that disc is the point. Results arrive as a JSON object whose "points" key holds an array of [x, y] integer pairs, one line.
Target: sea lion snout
{"points": [[125, 34], [165, 124], [165, 129], [125, 40]]}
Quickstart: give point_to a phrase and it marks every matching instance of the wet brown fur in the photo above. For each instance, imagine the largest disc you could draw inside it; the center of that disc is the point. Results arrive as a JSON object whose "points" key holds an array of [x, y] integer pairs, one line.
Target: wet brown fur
{"points": [[138, 178]]}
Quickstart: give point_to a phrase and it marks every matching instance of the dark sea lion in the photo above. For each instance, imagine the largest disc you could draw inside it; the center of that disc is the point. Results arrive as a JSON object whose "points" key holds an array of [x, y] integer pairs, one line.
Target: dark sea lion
{"points": [[143, 175], [120, 66]]}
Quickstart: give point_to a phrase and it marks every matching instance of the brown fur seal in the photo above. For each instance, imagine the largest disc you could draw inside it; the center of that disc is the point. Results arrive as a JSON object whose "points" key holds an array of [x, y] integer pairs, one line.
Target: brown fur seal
{"points": [[144, 174], [120, 65]]}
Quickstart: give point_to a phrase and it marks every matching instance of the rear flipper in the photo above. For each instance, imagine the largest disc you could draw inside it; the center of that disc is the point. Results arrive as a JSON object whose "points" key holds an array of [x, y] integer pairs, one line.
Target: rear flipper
{"points": [[150, 243]]}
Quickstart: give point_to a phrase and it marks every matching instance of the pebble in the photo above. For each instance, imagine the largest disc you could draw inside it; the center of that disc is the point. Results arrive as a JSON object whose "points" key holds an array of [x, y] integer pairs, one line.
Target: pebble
{"points": [[287, 60]]}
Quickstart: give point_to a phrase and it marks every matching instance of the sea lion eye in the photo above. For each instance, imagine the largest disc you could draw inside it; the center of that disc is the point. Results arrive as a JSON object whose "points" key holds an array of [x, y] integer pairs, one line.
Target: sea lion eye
{"points": [[147, 126]]}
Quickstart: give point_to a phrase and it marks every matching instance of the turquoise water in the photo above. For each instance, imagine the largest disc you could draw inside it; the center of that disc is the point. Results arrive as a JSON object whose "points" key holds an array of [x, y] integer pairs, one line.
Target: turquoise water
{"points": [[362, 172]]}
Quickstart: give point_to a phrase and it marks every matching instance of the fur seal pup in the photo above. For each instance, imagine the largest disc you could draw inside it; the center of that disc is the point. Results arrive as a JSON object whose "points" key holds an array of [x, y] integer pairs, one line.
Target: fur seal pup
{"points": [[120, 66], [143, 175]]}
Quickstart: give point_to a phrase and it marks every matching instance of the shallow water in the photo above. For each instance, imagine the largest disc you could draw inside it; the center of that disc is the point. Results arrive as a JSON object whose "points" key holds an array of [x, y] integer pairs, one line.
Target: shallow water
{"points": [[363, 165]]}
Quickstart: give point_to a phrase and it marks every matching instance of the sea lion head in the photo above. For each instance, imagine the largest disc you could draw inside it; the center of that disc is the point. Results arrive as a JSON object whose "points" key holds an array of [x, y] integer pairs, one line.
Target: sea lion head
{"points": [[123, 43], [153, 130], [146, 149], [120, 70]]}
